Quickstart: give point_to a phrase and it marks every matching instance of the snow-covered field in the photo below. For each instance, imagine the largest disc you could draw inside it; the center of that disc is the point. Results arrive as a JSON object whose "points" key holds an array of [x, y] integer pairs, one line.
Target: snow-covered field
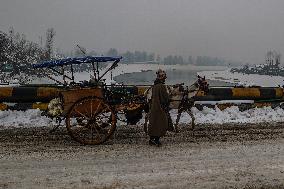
{"points": [[244, 79], [33, 118]]}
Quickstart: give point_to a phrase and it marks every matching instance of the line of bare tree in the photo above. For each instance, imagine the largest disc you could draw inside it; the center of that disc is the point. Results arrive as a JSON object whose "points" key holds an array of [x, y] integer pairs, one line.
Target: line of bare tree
{"points": [[19, 53]]}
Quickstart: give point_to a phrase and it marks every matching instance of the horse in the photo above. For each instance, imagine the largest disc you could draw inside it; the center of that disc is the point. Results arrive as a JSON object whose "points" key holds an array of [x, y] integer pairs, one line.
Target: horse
{"points": [[181, 98]]}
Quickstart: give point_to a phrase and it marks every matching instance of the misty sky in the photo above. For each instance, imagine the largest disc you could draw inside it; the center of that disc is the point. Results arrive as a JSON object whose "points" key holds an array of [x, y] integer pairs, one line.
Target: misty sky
{"points": [[240, 30]]}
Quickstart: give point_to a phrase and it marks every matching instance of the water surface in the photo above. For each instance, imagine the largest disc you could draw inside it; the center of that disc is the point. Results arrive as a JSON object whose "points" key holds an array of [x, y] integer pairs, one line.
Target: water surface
{"points": [[173, 77]]}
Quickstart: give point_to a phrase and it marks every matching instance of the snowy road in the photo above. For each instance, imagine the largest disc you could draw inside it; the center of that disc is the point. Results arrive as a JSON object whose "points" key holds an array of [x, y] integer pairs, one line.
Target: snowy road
{"points": [[218, 156]]}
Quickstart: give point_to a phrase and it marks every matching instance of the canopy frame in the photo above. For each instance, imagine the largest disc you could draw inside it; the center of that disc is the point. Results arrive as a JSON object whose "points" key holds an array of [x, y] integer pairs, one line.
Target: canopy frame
{"points": [[62, 63]]}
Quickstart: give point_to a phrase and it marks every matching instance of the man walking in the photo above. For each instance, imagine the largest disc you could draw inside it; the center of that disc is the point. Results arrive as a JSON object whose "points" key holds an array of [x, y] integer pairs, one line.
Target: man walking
{"points": [[159, 118]]}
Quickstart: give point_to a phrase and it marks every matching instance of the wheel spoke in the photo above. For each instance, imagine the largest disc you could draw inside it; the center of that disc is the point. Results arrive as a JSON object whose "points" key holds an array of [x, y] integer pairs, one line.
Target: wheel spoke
{"points": [[98, 108], [99, 135], [91, 108], [92, 136], [81, 114]]}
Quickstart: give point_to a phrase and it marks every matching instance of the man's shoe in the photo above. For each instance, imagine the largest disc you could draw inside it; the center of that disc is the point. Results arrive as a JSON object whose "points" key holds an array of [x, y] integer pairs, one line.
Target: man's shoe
{"points": [[159, 143], [154, 143]]}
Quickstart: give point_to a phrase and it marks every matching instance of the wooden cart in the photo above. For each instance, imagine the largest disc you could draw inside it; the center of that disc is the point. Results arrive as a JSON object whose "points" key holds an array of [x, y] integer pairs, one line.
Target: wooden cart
{"points": [[89, 117]]}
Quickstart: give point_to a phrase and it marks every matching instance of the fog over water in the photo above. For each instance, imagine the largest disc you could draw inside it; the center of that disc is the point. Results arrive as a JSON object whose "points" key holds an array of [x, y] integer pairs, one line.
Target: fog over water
{"points": [[174, 76], [239, 30]]}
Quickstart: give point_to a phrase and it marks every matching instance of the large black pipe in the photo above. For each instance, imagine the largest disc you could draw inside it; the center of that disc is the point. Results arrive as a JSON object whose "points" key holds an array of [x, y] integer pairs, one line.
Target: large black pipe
{"points": [[44, 93], [28, 94], [235, 93]]}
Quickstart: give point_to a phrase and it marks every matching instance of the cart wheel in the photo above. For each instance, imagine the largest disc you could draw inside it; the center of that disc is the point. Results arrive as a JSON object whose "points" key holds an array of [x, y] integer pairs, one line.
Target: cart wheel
{"points": [[90, 121]]}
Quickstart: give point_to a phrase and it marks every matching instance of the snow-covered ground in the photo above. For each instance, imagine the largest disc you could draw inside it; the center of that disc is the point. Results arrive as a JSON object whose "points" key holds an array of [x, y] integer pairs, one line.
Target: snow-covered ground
{"points": [[29, 118], [244, 79], [33, 118]]}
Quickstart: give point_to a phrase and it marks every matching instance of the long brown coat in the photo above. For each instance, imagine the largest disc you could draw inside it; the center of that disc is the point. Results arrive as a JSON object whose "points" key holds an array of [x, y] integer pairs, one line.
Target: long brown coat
{"points": [[158, 121]]}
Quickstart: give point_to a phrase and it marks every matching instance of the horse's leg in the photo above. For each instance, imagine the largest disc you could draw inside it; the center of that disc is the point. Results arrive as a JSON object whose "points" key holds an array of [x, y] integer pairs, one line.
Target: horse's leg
{"points": [[146, 123], [177, 121], [193, 119]]}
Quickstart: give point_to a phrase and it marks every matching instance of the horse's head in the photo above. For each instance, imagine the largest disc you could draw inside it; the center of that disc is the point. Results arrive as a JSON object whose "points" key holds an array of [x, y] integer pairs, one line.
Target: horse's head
{"points": [[202, 84], [176, 89]]}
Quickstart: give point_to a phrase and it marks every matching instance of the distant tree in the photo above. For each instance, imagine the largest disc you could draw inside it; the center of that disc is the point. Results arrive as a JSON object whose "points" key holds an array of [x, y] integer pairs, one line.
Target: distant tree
{"points": [[128, 57], [175, 60], [144, 56], [59, 54], [137, 56], [180, 60], [199, 60], [18, 52], [190, 60], [93, 53], [169, 60], [4, 41], [112, 52], [210, 61], [151, 57], [50, 34], [158, 59]]}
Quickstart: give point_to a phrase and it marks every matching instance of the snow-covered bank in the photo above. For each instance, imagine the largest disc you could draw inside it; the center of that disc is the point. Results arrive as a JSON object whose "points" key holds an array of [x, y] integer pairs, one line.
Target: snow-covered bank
{"points": [[29, 118], [234, 115], [33, 118], [243, 79]]}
